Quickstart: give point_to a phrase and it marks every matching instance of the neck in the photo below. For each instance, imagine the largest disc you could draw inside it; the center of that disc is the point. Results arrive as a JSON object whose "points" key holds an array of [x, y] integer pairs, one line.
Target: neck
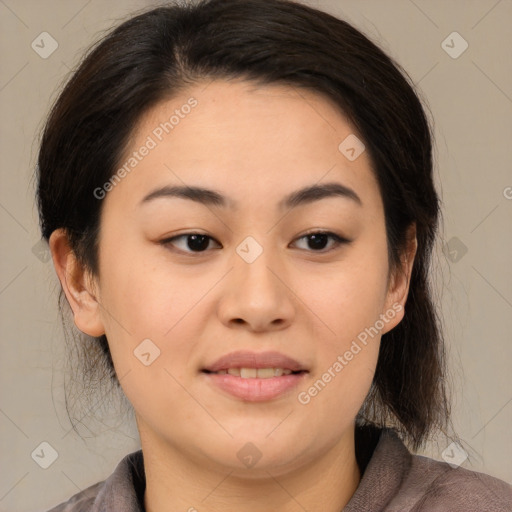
{"points": [[177, 481]]}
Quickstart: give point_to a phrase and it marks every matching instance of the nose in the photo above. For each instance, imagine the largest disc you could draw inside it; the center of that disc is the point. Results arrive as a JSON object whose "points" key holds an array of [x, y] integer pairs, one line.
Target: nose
{"points": [[257, 295]]}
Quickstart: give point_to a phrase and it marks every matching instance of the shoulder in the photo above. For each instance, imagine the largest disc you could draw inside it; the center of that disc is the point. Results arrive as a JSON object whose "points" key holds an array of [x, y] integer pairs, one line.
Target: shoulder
{"points": [[432, 485], [80, 502], [395, 480], [122, 491]]}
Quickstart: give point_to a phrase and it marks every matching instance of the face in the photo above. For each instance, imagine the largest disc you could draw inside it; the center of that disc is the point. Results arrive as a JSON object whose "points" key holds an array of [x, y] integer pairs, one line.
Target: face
{"points": [[251, 267]]}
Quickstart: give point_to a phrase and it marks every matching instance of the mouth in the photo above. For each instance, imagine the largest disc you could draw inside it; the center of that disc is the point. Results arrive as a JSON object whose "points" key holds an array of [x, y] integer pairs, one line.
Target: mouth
{"points": [[255, 373], [255, 376], [246, 362]]}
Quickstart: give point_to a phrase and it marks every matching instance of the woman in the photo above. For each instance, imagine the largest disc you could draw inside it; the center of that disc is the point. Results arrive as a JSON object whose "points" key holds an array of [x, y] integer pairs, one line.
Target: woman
{"points": [[239, 202]]}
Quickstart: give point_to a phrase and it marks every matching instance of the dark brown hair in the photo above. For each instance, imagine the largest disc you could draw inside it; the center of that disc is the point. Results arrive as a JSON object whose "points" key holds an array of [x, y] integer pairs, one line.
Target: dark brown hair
{"points": [[153, 56]]}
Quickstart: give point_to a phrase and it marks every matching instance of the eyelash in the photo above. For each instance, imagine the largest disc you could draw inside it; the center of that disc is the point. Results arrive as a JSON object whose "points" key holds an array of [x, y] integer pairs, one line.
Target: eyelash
{"points": [[338, 241]]}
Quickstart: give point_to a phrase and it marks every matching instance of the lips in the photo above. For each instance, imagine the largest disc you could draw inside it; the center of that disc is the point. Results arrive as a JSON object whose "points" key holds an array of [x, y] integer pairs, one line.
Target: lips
{"points": [[246, 359], [248, 375]]}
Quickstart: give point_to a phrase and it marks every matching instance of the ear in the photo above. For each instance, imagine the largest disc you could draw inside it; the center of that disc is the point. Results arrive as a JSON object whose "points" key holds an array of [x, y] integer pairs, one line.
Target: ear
{"points": [[77, 285], [398, 287]]}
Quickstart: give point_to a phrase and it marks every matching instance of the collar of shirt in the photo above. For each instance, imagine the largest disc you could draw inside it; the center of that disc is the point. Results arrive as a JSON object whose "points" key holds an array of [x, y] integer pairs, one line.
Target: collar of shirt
{"points": [[392, 480]]}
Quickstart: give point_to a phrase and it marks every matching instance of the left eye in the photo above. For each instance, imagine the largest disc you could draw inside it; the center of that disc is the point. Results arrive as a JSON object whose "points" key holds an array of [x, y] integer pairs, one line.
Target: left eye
{"points": [[198, 242], [318, 239]]}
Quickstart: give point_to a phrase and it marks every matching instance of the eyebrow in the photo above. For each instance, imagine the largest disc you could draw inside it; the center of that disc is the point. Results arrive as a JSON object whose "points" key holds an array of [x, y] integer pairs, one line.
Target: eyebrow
{"points": [[299, 197]]}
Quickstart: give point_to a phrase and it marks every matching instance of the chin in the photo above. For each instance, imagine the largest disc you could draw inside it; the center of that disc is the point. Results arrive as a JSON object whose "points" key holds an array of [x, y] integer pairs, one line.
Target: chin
{"points": [[256, 456]]}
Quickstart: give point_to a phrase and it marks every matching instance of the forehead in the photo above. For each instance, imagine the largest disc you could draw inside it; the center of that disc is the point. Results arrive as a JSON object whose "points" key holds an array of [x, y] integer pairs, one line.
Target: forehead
{"points": [[260, 142]]}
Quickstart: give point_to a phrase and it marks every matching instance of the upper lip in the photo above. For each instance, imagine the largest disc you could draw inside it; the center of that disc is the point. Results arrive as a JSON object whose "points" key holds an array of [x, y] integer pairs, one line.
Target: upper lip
{"points": [[246, 359]]}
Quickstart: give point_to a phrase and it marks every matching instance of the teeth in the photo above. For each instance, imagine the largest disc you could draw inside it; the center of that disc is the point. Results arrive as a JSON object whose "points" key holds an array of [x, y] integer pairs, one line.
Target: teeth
{"points": [[263, 373], [247, 373], [253, 373]]}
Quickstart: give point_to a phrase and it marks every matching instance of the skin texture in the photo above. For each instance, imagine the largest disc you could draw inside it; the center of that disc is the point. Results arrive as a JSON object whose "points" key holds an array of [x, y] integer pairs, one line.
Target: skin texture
{"points": [[255, 145]]}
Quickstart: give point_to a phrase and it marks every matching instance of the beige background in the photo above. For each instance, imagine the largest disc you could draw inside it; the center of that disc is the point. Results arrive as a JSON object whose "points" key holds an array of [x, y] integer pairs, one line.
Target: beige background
{"points": [[471, 101]]}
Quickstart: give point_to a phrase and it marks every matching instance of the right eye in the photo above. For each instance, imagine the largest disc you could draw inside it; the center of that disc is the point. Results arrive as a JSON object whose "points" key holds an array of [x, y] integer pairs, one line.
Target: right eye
{"points": [[195, 242]]}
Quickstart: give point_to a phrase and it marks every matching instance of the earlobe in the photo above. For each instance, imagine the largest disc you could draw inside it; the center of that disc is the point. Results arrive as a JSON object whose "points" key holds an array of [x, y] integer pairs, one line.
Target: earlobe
{"points": [[76, 285]]}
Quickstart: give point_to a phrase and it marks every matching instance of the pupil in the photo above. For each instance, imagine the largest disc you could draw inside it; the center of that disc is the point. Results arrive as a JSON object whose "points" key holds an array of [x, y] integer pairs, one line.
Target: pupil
{"points": [[318, 240], [202, 244]]}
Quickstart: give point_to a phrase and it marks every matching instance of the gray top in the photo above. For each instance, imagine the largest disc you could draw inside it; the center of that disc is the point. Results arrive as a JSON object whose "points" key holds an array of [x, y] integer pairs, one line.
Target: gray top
{"points": [[393, 480]]}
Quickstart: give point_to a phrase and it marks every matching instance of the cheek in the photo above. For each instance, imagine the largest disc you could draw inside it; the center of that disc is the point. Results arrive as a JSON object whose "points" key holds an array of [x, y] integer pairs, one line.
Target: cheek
{"points": [[151, 333], [140, 302], [349, 304], [351, 296], [347, 349]]}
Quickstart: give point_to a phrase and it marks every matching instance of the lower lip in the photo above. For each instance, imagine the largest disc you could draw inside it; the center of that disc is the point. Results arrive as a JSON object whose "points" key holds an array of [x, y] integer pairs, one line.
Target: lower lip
{"points": [[254, 389]]}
